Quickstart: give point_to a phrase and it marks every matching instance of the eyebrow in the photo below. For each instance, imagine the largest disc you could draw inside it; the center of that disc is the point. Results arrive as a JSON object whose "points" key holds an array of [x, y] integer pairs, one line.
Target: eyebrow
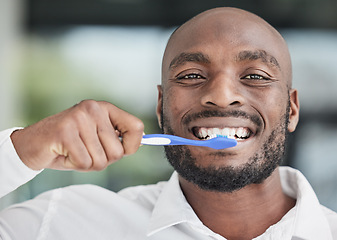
{"points": [[199, 57], [258, 55], [184, 57]]}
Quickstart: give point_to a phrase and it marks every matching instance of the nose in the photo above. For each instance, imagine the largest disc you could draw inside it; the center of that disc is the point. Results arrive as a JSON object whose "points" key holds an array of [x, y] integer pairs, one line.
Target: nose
{"points": [[222, 91]]}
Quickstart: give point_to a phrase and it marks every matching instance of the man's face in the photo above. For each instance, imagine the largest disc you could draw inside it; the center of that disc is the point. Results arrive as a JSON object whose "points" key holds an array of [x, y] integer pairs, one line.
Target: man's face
{"points": [[227, 77]]}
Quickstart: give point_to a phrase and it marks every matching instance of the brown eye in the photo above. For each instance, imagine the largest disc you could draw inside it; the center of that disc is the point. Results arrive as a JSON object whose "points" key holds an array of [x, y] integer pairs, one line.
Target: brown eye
{"points": [[191, 76], [190, 79], [255, 77], [257, 80]]}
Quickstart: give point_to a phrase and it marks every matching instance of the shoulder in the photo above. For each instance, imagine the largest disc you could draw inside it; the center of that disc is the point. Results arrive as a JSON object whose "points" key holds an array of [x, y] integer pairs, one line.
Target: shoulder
{"points": [[87, 196], [95, 193], [92, 194], [146, 195], [77, 196]]}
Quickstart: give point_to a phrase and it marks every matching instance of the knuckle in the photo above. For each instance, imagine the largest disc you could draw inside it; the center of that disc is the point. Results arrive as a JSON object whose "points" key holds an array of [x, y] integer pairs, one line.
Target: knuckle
{"points": [[138, 125], [84, 165], [116, 155], [85, 112], [89, 106], [86, 102], [99, 165], [79, 116]]}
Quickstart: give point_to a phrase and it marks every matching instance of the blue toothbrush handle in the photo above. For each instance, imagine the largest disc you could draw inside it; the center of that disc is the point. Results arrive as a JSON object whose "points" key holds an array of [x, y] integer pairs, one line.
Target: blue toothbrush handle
{"points": [[164, 139], [174, 140]]}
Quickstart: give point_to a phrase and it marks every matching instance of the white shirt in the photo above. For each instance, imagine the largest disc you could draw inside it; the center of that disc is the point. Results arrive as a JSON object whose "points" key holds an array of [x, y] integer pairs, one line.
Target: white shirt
{"points": [[151, 212]]}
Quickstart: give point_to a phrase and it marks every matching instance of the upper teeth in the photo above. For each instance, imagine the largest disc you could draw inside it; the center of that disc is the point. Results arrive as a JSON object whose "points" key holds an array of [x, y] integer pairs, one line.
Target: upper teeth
{"points": [[208, 133]]}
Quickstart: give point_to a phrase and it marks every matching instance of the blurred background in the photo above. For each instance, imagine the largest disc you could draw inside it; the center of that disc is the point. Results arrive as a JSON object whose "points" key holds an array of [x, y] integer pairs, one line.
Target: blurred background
{"points": [[55, 53]]}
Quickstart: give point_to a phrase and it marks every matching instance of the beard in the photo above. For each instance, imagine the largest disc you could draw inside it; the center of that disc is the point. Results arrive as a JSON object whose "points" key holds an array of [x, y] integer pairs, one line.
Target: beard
{"points": [[228, 178]]}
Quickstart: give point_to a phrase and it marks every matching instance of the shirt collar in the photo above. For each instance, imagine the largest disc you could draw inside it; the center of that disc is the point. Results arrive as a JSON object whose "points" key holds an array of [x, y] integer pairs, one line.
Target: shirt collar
{"points": [[171, 208], [310, 221]]}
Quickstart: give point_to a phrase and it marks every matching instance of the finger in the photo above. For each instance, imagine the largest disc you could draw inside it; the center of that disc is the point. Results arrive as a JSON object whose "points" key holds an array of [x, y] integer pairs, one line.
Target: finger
{"points": [[72, 154], [130, 127], [132, 139], [109, 139], [94, 146]]}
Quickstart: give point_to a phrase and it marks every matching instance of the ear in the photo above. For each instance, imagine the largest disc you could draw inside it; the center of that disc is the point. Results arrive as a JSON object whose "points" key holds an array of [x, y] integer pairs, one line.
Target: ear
{"points": [[294, 110], [159, 104]]}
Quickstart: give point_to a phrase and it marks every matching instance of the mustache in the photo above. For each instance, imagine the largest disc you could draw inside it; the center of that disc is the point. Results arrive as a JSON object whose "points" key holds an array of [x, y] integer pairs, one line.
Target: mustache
{"points": [[213, 113]]}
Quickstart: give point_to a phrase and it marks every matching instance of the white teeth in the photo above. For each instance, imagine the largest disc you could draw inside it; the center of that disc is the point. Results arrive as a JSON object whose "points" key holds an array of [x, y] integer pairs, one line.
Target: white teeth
{"points": [[216, 131], [225, 132], [231, 133], [203, 132], [208, 133], [240, 132]]}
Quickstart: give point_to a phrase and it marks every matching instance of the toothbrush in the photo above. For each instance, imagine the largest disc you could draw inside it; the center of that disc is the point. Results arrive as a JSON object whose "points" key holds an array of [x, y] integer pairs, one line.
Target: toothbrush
{"points": [[220, 142]]}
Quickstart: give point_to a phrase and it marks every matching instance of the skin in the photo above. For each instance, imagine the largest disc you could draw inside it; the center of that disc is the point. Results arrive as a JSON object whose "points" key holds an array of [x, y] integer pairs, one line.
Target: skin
{"points": [[234, 43], [82, 138], [212, 51]]}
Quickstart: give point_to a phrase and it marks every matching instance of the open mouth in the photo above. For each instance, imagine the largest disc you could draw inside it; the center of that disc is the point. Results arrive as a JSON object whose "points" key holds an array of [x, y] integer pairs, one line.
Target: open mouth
{"points": [[238, 133]]}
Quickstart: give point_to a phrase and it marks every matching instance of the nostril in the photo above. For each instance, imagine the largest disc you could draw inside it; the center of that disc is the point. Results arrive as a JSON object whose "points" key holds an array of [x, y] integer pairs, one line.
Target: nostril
{"points": [[221, 97], [210, 103], [235, 103]]}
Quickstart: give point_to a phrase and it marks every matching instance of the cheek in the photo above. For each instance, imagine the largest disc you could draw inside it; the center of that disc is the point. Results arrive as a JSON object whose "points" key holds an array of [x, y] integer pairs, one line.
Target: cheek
{"points": [[272, 105], [176, 103]]}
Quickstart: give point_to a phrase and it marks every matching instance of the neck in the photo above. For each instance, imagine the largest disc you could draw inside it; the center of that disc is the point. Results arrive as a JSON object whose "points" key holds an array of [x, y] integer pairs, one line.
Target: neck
{"points": [[244, 214]]}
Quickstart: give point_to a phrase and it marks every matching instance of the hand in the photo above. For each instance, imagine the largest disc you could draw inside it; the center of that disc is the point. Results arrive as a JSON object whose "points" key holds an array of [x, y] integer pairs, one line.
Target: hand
{"points": [[84, 137]]}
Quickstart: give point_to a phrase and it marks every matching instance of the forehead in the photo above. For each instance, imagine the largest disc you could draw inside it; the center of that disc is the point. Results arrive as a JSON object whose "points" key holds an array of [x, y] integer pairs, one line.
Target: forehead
{"points": [[238, 34]]}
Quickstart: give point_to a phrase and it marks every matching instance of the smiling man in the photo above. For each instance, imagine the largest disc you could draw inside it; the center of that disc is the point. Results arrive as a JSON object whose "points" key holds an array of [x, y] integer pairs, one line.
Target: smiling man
{"points": [[228, 72], [225, 72], [224, 80]]}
